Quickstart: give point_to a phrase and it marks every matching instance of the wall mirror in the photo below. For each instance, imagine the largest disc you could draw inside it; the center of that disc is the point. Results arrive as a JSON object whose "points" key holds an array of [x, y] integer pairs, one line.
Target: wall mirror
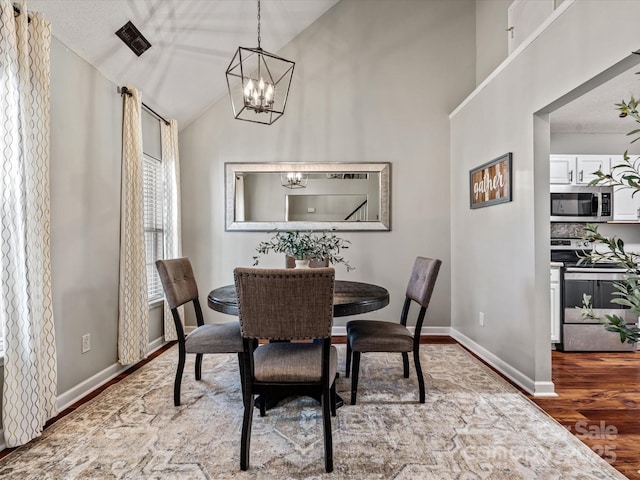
{"points": [[307, 196]]}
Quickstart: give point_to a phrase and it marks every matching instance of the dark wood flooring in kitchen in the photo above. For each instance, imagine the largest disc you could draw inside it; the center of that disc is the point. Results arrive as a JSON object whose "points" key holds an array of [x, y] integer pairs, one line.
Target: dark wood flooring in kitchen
{"points": [[599, 401]]}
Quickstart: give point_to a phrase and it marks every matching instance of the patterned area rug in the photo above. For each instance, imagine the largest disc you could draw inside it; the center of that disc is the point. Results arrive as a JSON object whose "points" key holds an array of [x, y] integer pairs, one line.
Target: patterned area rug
{"points": [[474, 425]]}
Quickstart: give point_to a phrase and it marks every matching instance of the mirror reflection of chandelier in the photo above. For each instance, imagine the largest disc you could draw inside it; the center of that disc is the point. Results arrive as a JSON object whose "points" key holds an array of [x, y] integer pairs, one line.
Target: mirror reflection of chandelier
{"points": [[294, 180]]}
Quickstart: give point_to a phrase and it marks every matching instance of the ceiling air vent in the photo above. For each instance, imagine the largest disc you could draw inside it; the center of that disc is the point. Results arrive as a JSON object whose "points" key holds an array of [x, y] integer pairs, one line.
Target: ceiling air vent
{"points": [[133, 39]]}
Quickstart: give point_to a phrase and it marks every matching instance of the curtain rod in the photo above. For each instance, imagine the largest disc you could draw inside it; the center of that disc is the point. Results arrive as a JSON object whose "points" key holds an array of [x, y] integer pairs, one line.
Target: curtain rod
{"points": [[125, 91], [16, 12]]}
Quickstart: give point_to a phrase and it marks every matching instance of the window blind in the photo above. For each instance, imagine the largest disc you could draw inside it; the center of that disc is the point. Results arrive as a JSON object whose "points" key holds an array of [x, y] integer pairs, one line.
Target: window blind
{"points": [[153, 223]]}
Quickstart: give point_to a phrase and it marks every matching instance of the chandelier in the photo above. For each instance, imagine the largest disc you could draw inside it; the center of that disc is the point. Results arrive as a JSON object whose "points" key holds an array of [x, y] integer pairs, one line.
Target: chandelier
{"points": [[258, 83], [293, 180]]}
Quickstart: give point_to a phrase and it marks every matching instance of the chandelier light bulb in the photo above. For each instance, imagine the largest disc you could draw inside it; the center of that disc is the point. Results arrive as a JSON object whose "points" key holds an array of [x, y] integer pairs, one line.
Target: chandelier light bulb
{"points": [[269, 95], [248, 89], [259, 99]]}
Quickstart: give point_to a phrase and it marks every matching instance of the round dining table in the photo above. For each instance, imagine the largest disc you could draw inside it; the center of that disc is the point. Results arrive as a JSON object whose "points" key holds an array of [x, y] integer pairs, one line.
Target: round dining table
{"points": [[349, 298]]}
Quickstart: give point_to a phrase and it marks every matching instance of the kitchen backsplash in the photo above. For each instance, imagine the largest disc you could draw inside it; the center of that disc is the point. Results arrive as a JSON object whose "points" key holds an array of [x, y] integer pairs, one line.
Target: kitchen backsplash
{"points": [[568, 230]]}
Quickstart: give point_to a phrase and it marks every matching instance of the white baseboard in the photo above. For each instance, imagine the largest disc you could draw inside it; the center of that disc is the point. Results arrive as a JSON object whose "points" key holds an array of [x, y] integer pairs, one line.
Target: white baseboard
{"points": [[81, 390], [537, 389]]}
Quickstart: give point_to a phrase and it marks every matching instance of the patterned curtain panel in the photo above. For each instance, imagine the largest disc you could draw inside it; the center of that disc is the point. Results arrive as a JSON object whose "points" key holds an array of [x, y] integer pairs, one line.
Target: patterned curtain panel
{"points": [[26, 315], [173, 237], [133, 322]]}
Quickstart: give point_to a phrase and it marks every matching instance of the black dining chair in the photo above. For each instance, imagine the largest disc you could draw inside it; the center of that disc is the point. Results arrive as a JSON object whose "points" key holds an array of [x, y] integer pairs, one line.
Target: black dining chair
{"points": [[284, 305], [180, 287], [384, 336]]}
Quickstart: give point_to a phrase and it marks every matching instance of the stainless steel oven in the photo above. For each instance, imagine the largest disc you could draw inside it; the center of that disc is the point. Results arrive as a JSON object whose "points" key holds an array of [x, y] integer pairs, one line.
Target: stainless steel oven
{"points": [[597, 281], [581, 203]]}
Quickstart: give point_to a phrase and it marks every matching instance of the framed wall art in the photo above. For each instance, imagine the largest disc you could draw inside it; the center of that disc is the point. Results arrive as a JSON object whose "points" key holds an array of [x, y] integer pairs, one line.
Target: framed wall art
{"points": [[490, 183]]}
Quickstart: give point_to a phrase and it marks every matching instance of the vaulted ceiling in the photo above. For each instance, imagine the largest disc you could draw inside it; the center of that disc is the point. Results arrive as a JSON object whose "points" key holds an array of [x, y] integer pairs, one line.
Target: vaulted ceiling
{"points": [[193, 41]]}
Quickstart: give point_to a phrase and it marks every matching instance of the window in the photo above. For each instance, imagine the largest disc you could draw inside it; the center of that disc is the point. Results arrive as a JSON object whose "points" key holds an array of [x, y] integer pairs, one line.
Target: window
{"points": [[153, 203]]}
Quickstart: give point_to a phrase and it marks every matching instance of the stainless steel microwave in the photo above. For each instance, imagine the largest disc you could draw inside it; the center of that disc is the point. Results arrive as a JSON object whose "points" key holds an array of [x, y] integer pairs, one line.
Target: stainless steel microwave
{"points": [[581, 203]]}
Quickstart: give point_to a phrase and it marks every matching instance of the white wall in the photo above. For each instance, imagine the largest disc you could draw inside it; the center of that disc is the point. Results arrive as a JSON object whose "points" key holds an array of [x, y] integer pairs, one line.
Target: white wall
{"points": [[86, 121], [594, 143], [86, 125], [500, 254], [491, 36], [374, 81]]}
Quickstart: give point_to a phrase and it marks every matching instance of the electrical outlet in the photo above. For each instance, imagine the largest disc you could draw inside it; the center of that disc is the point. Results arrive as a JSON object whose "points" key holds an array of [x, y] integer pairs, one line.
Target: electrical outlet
{"points": [[86, 343], [481, 319]]}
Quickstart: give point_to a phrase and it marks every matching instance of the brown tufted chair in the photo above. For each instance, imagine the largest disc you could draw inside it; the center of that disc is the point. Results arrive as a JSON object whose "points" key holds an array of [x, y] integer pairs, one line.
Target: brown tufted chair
{"points": [[180, 287], [281, 305], [382, 336]]}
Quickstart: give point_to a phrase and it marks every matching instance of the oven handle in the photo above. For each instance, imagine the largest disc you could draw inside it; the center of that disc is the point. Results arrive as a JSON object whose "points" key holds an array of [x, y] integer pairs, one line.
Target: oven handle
{"points": [[575, 273]]}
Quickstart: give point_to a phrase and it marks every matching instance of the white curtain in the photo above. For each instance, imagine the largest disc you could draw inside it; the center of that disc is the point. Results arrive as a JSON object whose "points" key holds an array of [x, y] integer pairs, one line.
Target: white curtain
{"points": [[133, 321], [172, 221], [26, 314]]}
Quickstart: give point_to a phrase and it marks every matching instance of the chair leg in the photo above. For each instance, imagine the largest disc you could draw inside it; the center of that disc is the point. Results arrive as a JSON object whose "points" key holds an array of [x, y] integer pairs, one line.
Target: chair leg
{"points": [[328, 440], [178, 380], [416, 360], [348, 367], [332, 392], [354, 379], [245, 438], [241, 364], [405, 364], [199, 366]]}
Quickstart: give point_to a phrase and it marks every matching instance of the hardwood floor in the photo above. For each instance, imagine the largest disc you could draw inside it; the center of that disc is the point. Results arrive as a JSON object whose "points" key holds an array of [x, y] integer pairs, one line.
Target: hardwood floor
{"points": [[598, 401]]}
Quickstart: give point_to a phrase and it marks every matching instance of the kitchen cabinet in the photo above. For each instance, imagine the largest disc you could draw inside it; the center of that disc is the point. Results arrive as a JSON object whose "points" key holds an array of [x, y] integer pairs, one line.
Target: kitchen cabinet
{"points": [[555, 304], [577, 169], [626, 206]]}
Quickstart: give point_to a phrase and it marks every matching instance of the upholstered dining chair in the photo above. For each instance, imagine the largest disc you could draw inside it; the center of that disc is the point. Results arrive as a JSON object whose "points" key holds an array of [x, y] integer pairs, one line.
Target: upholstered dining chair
{"points": [[384, 336], [283, 305], [180, 287]]}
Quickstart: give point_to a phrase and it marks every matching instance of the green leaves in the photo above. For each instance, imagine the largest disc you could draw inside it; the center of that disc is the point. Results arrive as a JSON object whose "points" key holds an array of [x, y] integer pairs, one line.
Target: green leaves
{"points": [[626, 174], [305, 245], [627, 292], [614, 251]]}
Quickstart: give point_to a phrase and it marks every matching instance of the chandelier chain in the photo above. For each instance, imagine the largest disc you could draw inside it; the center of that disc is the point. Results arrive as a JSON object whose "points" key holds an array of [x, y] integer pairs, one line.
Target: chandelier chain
{"points": [[259, 39]]}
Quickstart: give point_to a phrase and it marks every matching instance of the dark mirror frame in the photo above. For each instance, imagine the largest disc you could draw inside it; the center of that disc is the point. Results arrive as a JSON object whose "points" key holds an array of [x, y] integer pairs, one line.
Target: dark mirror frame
{"points": [[384, 190]]}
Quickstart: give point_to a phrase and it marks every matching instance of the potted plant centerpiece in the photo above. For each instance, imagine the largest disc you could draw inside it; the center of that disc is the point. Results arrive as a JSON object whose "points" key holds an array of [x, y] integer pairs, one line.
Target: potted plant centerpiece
{"points": [[306, 246]]}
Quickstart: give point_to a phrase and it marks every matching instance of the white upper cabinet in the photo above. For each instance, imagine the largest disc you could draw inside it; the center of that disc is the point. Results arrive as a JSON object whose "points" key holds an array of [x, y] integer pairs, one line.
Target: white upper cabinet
{"points": [[562, 169], [577, 169], [587, 165], [626, 207]]}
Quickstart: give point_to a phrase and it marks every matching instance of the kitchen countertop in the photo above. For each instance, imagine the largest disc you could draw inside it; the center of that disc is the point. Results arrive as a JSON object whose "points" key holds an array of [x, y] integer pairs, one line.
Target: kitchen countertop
{"points": [[557, 264]]}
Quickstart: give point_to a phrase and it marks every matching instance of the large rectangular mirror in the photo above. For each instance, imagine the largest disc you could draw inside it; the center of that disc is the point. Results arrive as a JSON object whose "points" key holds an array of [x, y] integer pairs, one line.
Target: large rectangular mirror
{"points": [[307, 196]]}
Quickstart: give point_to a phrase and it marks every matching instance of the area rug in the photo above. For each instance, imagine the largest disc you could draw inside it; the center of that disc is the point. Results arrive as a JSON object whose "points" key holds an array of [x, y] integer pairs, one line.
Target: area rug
{"points": [[474, 425]]}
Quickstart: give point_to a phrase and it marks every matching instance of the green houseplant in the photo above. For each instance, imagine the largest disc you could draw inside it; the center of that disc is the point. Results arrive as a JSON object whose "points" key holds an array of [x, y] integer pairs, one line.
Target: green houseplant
{"points": [[625, 174], [305, 246]]}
